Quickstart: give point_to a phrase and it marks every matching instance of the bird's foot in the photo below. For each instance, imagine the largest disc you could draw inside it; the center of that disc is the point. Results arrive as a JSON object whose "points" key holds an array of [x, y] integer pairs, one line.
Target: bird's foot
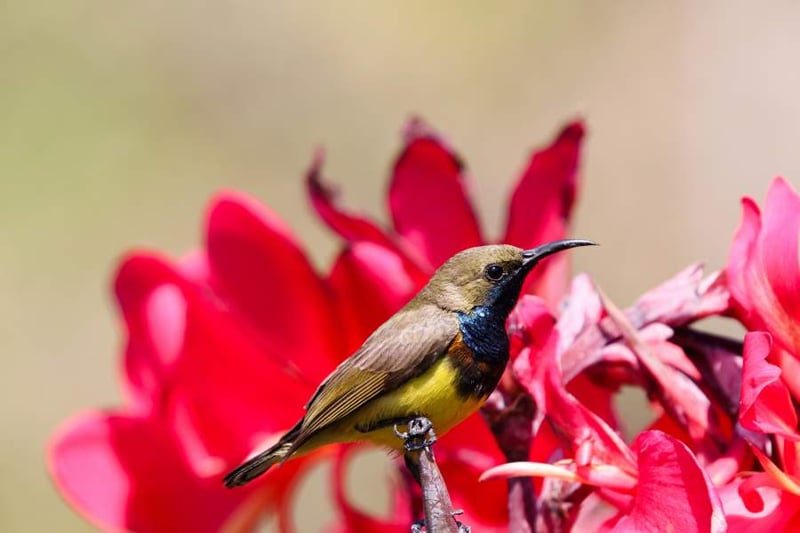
{"points": [[419, 436], [419, 525]]}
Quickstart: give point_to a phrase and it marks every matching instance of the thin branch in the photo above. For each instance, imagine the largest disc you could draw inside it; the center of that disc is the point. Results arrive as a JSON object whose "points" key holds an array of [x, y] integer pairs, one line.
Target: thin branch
{"points": [[439, 514]]}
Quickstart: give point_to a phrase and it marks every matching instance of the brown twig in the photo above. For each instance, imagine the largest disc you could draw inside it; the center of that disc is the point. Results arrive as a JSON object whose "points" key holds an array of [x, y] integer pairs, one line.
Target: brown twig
{"points": [[439, 514]]}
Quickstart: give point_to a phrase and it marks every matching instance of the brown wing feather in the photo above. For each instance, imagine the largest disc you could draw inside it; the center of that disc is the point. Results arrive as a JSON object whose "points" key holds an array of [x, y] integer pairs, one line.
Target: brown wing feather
{"points": [[402, 348]]}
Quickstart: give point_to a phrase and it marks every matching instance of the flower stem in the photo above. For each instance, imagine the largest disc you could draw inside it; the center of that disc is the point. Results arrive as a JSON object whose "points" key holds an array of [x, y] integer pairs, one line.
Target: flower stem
{"points": [[510, 417]]}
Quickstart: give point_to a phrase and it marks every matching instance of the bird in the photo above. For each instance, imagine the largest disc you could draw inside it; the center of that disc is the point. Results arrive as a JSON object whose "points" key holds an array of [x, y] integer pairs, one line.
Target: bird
{"points": [[438, 357]]}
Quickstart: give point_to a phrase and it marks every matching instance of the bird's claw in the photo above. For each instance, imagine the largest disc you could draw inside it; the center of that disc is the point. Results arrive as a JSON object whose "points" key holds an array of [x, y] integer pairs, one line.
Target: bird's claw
{"points": [[419, 525], [419, 436]]}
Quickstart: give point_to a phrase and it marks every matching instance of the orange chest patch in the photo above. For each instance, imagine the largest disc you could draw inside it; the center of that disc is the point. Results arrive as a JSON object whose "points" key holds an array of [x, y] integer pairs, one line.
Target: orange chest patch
{"points": [[475, 378]]}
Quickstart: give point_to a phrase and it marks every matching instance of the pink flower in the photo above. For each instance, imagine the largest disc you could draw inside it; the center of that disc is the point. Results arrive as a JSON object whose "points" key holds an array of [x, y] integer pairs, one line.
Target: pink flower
{"points": [[225, 347], [656, 483], [763, 273], [203, 371], [763, 277], [723, 448], [766, 409]]}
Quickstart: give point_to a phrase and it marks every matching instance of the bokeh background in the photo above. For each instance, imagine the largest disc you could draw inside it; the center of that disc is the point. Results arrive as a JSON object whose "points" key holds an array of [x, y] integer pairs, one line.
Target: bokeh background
{"points": [[118, 120]]}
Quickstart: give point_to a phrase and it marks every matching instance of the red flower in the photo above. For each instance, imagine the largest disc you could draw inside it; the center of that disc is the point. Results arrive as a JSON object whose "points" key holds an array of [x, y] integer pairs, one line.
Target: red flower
{"points": [[203, 369], [656, 483], [225, 347], [764, 276], [772, 496], [668, 489], [724, 446]]}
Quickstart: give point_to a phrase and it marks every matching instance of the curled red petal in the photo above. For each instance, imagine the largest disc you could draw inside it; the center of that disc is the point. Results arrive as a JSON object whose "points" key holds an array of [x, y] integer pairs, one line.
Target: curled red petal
{"points": [[428, 198], [268, 282], [349, 226], [673, 494], [766, 405], [773, 511]]}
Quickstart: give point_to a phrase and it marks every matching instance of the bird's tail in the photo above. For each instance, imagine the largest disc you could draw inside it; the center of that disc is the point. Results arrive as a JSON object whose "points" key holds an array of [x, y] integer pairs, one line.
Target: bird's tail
{"points": [[259, 464]]}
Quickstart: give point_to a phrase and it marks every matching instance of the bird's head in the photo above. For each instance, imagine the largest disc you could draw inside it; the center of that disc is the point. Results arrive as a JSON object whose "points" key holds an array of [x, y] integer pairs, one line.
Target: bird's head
{"points": [[488, 276]]}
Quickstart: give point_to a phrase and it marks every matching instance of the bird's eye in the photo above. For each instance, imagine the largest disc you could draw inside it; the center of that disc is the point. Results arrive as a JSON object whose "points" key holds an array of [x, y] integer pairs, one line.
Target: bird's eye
{"points": [[494, 272]]}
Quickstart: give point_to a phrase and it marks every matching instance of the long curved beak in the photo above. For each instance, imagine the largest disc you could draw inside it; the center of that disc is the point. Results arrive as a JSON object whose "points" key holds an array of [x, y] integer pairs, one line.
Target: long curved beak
{"points": [[534, 255]]}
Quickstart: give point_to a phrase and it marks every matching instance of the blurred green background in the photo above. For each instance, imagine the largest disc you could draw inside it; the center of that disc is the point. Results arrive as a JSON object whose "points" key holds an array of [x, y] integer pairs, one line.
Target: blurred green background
{"points": [[118, 120]]}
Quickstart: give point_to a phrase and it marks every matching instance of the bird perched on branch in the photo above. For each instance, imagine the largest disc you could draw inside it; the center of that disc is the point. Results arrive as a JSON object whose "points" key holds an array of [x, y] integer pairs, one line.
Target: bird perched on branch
{"points": [[439, 357]]}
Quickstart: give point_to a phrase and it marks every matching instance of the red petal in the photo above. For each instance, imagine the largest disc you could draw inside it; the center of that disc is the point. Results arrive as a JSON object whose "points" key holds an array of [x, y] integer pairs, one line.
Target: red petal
{"points": [[462, 455], [125, 473], [776, 477], [674, 356], [775, 511], [541, 206], [228, 397], [680, 396], [202, 369], [427, 198], [790, 371], [152, 305], [742, 250], [599, 397], [268, 281], [762, 272], [765, 404], [349, 226], [674, 493], [573, 422], [371, 282], [735, 459], [352, 519], [542, 201], [779, 245], [686, 297], [598, 475]]}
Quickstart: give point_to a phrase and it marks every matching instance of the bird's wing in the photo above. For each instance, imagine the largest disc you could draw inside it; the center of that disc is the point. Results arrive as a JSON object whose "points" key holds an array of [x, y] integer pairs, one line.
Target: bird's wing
{"points": [[401, 349]]}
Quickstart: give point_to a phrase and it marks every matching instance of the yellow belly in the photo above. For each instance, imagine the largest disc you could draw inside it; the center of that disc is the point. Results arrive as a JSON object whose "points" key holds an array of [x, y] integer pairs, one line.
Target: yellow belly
{"points": [[433, 395]]}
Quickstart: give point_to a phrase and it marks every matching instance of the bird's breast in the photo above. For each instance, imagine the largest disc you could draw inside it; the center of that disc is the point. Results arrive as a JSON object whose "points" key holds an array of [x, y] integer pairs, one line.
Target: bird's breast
{"points": [[483, 331], [434, 394], [475, 376]]}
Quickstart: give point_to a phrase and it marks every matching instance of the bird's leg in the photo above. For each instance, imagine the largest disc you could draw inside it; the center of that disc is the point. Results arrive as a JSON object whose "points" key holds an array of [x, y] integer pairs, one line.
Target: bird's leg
{"points": [[439, 513], [413, 466]]}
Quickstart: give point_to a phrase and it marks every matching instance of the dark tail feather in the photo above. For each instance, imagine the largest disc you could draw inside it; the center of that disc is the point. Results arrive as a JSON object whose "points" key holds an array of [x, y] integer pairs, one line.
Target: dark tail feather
{"points": [[256, 466]]}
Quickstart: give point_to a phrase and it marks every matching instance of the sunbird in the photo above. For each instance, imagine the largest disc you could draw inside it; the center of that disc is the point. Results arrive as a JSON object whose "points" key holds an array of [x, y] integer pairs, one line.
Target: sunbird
{"points": [[439, 357]]}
